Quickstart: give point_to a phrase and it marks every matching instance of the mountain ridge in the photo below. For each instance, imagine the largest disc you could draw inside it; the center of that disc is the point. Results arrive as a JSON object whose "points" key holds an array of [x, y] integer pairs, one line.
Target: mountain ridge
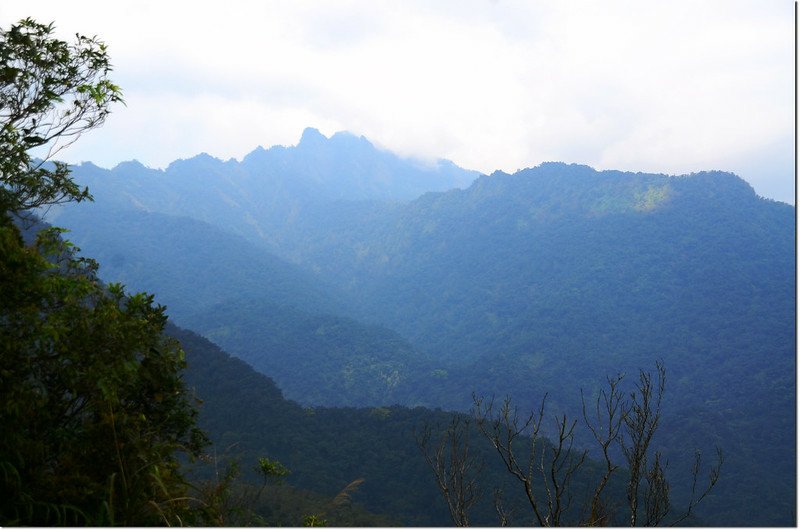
{"points": [[535, 282]]}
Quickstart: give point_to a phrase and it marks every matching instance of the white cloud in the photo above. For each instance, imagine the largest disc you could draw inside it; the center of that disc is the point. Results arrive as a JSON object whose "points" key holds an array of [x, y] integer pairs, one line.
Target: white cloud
{"points": [[642, 85]]}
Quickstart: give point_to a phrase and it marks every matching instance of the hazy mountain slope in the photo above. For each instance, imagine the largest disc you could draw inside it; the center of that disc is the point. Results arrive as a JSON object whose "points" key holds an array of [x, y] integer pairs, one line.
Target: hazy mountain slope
{"points": [[246, 416], [317, 359], [327, 448], [189, 264], [264, 194], [277, 317], [537, 282], [346, 167], [523, 243], [551, 278]]}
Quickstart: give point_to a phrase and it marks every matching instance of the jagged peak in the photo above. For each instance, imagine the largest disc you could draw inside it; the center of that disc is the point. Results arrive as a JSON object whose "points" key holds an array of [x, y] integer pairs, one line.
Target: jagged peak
{"points": [[499, 173], [348, 137], [88, 165], [203, 157], [127, 165], [311, 137], [199, 159]]}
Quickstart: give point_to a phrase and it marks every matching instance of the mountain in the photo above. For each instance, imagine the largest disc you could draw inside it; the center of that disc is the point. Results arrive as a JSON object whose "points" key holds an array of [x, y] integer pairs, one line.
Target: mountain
{"points": [[270, 188], [326, 449], [537, 282], [346, 167], [281, 319], [318, 358], [190, 264], [542, 281], [369, 456]]}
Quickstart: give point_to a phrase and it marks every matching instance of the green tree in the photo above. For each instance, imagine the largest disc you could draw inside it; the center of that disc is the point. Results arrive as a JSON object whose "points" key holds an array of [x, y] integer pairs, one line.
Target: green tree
{"points": [[51, 91], [93, 410]]}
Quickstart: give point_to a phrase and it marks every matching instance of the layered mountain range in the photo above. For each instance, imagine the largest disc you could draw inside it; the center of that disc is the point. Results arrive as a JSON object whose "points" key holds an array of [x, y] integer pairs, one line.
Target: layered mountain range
{"points": [[354, 277]]}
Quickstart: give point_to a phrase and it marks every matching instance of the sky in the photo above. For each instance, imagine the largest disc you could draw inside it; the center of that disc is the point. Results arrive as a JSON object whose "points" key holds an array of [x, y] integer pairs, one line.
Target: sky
{"points": [[657, 86]]}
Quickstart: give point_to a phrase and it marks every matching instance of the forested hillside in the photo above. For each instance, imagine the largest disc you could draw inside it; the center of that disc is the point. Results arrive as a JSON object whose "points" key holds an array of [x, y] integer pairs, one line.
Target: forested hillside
{"points": [[281, 319], [193, 265], [328, 448], [522, 284], [325, 449]]}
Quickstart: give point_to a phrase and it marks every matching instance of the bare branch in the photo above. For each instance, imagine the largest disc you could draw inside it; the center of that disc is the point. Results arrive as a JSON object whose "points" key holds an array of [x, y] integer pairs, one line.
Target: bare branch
{"points": [[546, 475], [713, 477], [609, 412], [454, 468]]}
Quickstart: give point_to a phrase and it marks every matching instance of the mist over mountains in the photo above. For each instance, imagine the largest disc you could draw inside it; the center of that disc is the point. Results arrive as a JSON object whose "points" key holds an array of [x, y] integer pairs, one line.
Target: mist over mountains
{"points": [[353, 277], [272, 187]]}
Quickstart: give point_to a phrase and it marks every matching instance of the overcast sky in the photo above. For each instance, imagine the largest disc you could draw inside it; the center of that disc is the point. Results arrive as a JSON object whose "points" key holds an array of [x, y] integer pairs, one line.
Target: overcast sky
{"points": [[667, 86]]}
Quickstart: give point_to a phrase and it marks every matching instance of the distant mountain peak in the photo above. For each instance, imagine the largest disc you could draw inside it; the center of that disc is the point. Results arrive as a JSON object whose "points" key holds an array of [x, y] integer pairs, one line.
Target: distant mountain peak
{"points": [[128, 165], [133, 167], [346, 137], [202, 157], [311, 137], [202, 160]]}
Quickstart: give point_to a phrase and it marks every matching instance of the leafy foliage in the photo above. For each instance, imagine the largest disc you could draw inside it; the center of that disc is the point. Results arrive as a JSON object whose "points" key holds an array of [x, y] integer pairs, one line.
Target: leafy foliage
{"points": [[50, 92], [93, 411], [92, 408]]}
